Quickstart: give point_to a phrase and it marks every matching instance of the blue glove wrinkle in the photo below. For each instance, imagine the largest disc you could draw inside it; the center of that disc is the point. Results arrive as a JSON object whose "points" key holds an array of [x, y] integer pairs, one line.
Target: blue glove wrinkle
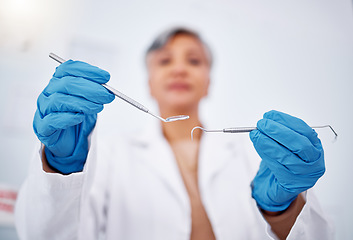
{"points": [[58, 102], [80, 87], [266, 188], [281, 160], [67, 137], [76, 160], [294, 141], [67, 111], [82, 70], [294, 124], [41, 128], [291, 162], [63, 120], [66, 165], [50, 136]]}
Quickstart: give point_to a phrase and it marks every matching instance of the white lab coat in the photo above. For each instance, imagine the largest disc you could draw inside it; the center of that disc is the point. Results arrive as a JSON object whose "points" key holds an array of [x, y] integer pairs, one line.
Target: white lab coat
{"points": [[132, 189]]}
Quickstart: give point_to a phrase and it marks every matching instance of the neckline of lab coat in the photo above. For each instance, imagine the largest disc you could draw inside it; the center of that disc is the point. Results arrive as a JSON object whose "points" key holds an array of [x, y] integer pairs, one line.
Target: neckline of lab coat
{"points": [[214, 153]]}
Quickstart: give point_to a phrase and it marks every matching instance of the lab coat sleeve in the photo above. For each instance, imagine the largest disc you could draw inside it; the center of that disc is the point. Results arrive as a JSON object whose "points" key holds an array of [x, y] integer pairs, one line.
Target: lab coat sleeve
{"points": [[48, 204], [55, 206], [311, 223]]}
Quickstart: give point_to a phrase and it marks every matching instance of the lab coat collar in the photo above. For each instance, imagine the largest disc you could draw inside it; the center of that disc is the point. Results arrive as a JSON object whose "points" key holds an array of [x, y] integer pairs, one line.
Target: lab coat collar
{"points": [[157, 154], [215, 151]]}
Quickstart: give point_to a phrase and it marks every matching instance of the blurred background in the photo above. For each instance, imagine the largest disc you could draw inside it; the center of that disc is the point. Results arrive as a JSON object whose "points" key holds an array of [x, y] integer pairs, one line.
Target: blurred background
{"points": [[292, 56]]}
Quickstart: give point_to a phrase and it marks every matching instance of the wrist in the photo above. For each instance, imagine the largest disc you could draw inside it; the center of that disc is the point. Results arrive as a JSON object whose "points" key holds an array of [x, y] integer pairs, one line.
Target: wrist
{"points": [[282, 223], [272, 214], [265, 203], [45, 165], [297, 203]]}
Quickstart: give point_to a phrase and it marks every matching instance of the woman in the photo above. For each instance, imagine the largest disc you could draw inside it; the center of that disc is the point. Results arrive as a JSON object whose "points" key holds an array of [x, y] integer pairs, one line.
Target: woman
{"points": [[161, 185]]}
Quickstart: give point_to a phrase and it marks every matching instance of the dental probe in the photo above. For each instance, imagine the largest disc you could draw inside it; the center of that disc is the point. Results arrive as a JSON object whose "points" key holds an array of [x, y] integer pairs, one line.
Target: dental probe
{"points": [[245, 129], [128, 99]]}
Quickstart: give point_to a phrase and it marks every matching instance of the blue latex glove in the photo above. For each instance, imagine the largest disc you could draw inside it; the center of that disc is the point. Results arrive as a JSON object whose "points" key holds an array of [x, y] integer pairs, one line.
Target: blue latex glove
{"points": [[292, 160], [67, 112]]}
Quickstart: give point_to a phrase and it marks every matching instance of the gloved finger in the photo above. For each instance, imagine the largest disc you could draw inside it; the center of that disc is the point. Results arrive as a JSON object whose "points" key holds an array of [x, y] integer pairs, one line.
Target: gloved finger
{"points": [[292, 140], [79, 87], [286, 166], [293, 123], [267, 191], [59, 102], [83, 70], [47, 125]]}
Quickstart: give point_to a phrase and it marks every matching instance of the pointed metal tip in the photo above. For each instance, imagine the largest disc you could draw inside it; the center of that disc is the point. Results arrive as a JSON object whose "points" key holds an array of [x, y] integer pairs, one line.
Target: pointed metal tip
{"points": [[192, 132], [329, 126]]}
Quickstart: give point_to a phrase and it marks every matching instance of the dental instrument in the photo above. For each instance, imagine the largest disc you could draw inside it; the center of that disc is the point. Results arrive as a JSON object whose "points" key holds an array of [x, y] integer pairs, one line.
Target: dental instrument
{"points": [[245, 130], [128, 99]]}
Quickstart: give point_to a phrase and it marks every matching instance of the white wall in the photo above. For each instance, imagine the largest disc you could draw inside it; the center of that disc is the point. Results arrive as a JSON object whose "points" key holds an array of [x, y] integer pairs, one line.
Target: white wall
{"points": [[293, 56]]}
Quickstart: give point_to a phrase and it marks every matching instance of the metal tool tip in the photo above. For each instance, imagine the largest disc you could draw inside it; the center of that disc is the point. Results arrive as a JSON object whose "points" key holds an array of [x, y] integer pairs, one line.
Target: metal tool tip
{"points": [[176, 118], [192, 132]]}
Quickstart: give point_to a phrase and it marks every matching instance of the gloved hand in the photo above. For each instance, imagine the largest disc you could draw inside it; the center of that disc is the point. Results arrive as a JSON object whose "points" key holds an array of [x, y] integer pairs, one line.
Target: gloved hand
{"points": [[67, 112], [292, 160]]}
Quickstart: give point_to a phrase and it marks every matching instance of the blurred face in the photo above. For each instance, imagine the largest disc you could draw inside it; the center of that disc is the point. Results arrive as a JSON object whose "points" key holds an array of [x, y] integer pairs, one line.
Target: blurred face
{"points": [[179, 73]]}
